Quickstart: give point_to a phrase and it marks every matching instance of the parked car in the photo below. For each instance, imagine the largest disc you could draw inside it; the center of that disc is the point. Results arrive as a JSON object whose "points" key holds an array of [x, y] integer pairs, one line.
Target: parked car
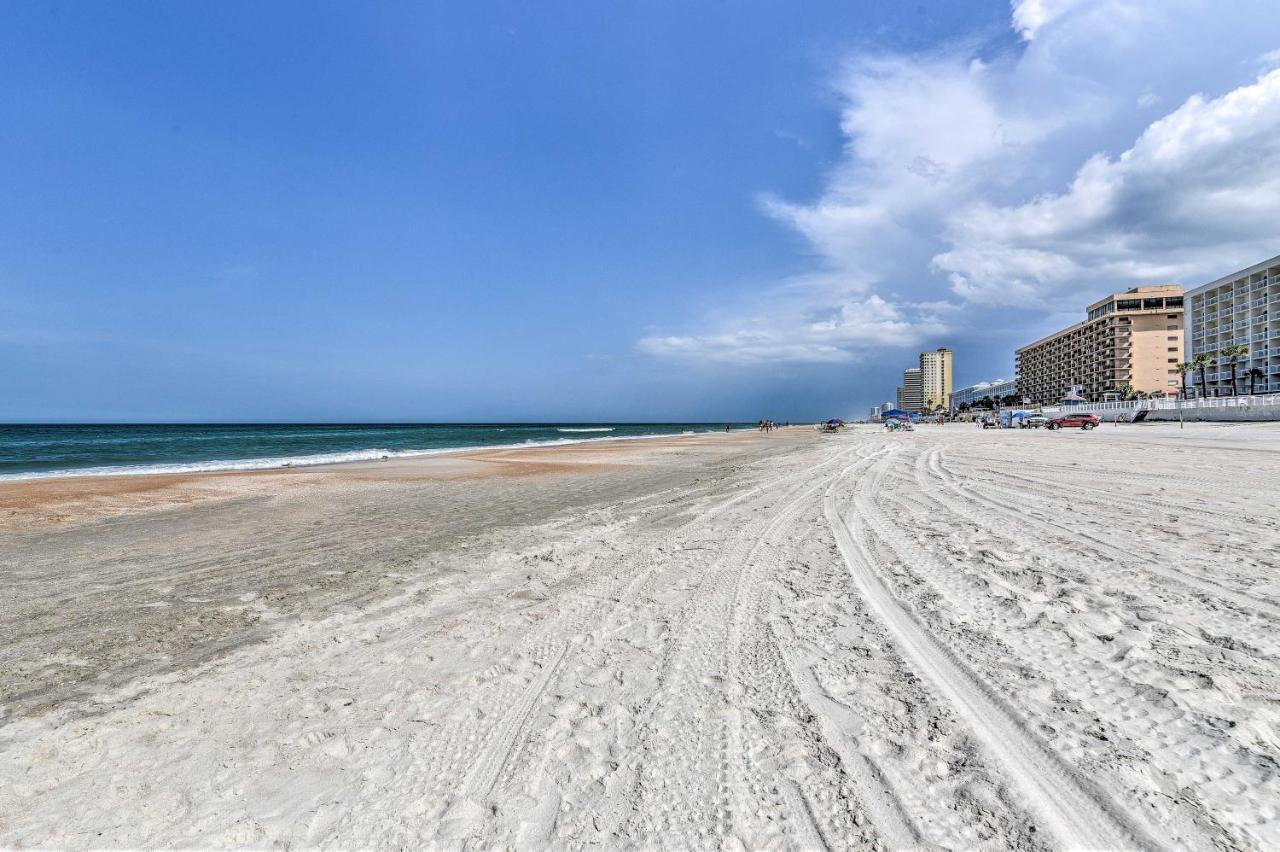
{"points": [[1083, 420], [1032, 421]]}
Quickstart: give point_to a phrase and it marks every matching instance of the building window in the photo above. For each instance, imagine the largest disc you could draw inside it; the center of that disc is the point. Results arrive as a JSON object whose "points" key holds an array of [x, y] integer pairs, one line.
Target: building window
{"points": [[1173, 349], [1172, 337], [1171, 328], [1173, 360]]}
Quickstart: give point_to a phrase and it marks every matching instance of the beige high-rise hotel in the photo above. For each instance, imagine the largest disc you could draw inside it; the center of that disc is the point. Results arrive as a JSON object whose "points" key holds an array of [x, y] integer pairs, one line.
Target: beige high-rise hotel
{"points": [[1133, 337], [935, 379]]}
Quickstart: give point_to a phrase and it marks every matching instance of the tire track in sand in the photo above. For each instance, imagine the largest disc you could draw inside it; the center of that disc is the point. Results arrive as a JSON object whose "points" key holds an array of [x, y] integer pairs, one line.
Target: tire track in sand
{"points": [[1076, 815], [1249, 603], [502, 750], [837, 726]]}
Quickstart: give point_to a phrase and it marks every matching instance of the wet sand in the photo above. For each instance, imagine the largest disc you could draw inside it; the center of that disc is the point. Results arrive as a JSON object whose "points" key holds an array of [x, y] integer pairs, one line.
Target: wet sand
{"points": [[113, 578]]}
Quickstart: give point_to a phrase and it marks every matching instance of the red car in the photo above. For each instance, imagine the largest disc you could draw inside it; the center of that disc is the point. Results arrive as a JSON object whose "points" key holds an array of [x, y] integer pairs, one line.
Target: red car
{"points": [[1083, 420]]}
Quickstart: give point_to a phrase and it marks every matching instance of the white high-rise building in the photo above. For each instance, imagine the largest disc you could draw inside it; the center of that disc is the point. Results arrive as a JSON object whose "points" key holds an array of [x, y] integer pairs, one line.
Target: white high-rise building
{"points": [[1240, 308], [998, 389], [909, 395]]}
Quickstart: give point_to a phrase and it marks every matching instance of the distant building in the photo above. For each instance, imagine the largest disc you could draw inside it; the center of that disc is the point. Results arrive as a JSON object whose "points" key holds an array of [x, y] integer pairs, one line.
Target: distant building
{"points": [[1132, 338], [935, 379], [909, 396], [971, 394], [1236, 309]]}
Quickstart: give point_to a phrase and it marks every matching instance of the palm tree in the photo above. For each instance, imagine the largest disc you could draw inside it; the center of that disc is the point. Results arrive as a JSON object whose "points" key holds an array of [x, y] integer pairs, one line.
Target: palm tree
{"points": [[1125, 390], [1234, 353], [1202, 362], [1254, 375], [1183, 369]]}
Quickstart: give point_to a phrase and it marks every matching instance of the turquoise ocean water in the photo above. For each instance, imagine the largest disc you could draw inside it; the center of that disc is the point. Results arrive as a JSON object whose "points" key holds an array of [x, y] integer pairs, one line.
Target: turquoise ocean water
{"points": [[32, 451]]}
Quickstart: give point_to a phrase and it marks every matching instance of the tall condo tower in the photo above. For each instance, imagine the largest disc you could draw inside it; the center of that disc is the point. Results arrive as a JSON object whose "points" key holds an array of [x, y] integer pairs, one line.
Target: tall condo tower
{"points": [[909, 399], [935, 379]]}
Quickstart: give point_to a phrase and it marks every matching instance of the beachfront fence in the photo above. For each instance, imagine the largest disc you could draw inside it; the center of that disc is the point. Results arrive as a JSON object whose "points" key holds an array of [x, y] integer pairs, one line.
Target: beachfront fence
{"points": [[1212, 408]]}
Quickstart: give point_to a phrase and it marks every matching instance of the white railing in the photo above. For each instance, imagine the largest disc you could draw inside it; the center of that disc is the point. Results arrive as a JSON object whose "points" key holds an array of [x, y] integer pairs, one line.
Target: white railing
{"points": [[1173, 403]]}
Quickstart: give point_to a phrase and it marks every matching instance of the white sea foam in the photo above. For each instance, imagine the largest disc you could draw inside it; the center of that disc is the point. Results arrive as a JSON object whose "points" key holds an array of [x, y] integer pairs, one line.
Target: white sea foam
{"points": [[586, 429], [266, 463], [282, 462]]}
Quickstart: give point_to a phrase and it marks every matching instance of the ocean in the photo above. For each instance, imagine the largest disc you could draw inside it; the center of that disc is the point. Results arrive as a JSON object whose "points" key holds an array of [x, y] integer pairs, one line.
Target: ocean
{"points": [[36, 451]]}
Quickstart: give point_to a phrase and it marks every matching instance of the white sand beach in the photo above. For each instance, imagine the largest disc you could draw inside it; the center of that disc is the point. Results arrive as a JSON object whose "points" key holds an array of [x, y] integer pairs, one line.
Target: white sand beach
{"points": [[954, 637]]}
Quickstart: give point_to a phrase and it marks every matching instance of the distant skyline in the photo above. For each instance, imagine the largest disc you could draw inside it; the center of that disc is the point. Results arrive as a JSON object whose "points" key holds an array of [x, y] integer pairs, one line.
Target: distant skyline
{"points": [[563, 211]]}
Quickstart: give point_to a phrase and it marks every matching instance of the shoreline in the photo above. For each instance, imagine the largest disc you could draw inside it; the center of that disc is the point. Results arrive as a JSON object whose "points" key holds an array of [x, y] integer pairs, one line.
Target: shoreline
{"points": [[30, 503], [371, 454]]}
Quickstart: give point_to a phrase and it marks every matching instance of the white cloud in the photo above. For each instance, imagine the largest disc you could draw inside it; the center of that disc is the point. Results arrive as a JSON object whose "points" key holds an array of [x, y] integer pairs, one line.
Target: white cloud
{"points": [[1034, 177], [1031, 16], [1200, 186], [800, 335], [921, 135]]}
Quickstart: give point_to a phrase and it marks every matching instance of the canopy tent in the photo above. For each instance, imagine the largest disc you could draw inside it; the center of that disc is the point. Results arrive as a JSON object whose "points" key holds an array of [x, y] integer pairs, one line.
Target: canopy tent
{"points": [[893, 412]]}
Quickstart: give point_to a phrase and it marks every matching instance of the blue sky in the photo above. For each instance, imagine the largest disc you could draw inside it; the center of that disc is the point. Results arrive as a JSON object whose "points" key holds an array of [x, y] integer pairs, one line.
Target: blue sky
{"points": [[644, 211]]}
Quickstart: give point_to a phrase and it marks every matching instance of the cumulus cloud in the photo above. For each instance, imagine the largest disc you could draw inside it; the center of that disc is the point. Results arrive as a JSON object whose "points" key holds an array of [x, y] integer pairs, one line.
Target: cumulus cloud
{"points": [[1033, 177], [1030, 16], [807, 333], [1200, 186]]}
